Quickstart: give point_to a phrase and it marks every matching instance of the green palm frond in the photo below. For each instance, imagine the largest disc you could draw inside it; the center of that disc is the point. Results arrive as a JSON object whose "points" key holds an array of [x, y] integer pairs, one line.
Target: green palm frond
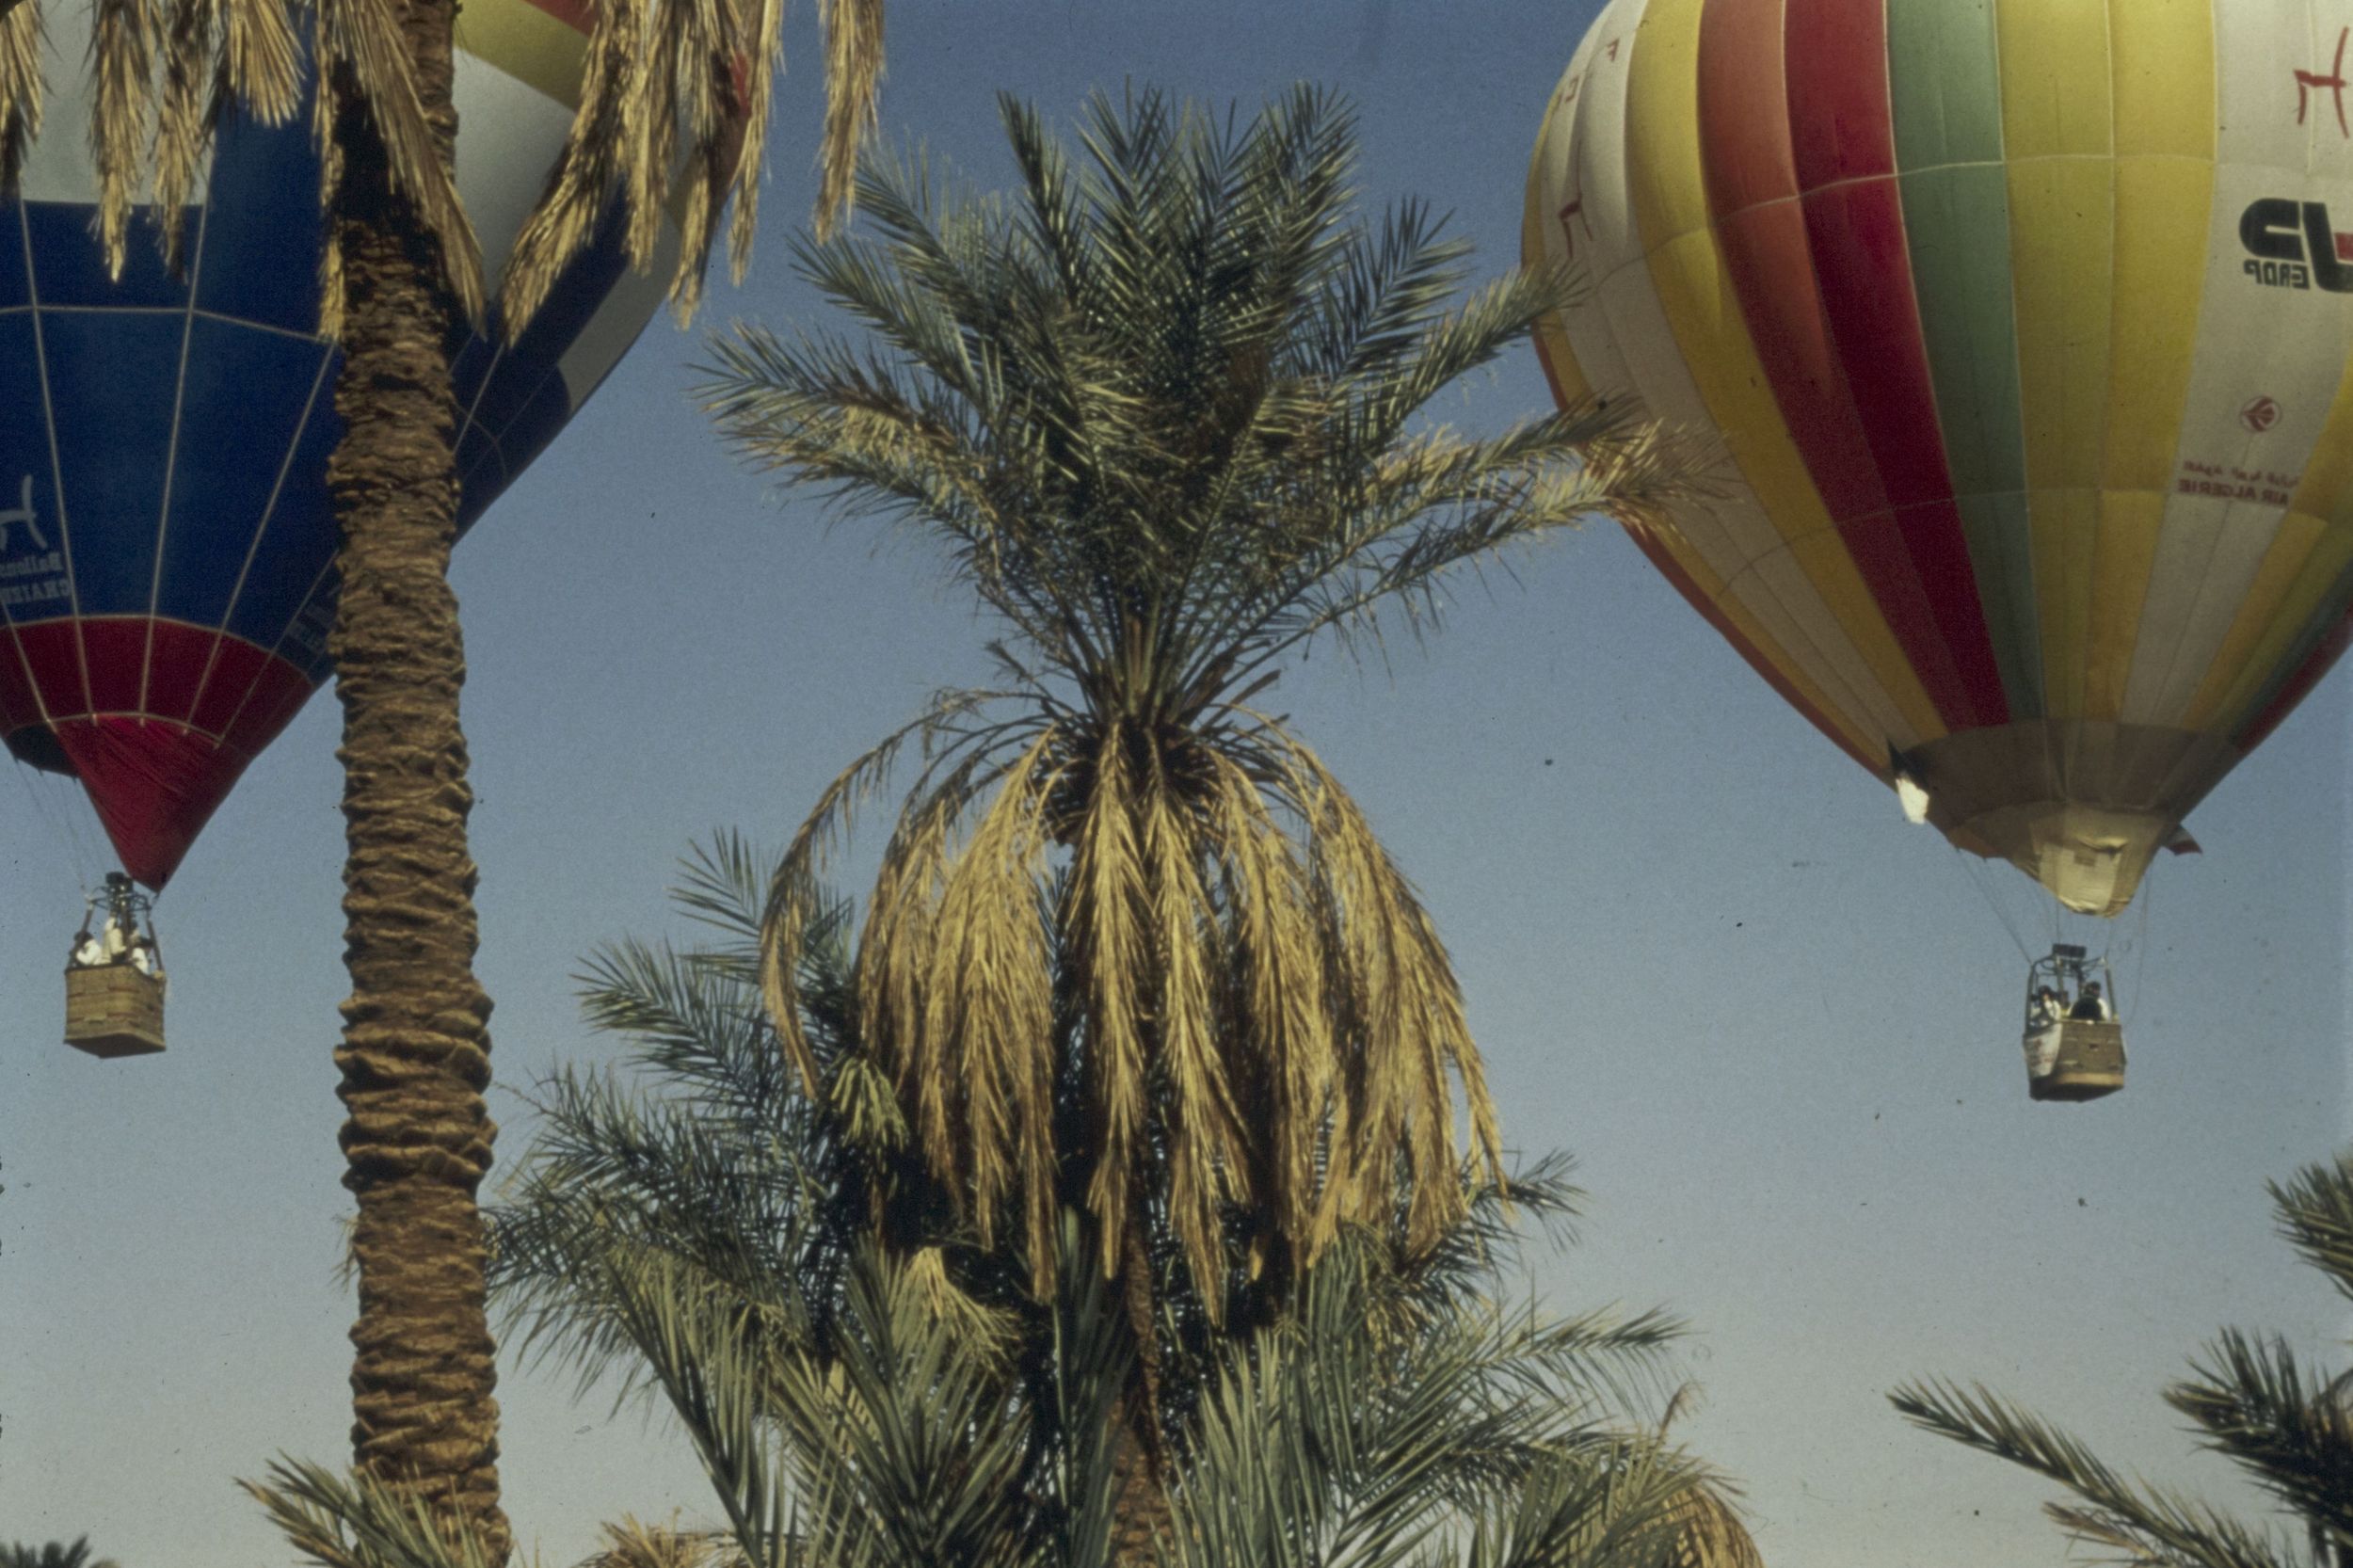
{"points": [[2315, 1212], [1329, 1440], [2290, 1429], [2142, 1524], [355, 1521], [52, 1554]]}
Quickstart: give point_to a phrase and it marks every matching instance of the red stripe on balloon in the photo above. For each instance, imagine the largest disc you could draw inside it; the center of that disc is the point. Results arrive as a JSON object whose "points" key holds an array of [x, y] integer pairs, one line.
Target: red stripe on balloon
{"points": [[53, 653], [1842, 140], [178, 655], [575, 14], [114, 650], [2299, 685], [1792, 99]]}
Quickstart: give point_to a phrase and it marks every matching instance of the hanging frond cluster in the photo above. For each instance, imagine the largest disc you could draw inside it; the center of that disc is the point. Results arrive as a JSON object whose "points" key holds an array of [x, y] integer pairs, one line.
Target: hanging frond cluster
{"points": [[2287, 1426], [675, 102], [1164, 407], [674, 111]]}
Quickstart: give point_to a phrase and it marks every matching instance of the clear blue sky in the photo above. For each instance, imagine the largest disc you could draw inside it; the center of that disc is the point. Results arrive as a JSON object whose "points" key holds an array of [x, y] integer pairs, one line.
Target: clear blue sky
{"points": [[1702, 949]]}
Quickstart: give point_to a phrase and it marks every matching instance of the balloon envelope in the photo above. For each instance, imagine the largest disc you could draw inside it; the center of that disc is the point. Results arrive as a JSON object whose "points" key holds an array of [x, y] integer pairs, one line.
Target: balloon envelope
{"points": [[167, 544], [2024, 330]]}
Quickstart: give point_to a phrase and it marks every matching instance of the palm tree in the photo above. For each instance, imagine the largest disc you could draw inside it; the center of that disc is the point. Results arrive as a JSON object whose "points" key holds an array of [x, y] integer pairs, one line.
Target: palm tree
{"points": [[402, 269], [699, 1162], [1330, 1437], [53, 1555], [2289, 1428], [1163, 406]]}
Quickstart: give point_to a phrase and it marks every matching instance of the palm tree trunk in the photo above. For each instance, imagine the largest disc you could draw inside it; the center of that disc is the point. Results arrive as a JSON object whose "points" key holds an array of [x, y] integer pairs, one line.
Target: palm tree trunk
{"points": [[1140, 1509], [415, 1051]]}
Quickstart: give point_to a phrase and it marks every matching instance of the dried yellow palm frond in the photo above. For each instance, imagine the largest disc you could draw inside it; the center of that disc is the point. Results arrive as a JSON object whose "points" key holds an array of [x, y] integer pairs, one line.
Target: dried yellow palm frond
{"points": [[1282, 981], [566, 213], [215, 51], [630, 1543], [674, 105], [1107, 891], [330, 183], [785, 920], [982, 1050], [854, 69], [261, 59], [122, 57], [1708, 1531], [182, 113], [1267, 1018], [20, 88], [364, 37], [990, 1331], [1207, 1167]]}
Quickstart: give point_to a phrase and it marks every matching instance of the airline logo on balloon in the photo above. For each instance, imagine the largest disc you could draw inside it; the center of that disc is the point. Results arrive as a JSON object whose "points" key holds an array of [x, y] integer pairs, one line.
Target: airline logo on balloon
{"points": [[22, 512], [2292, 244], [47, 568]]}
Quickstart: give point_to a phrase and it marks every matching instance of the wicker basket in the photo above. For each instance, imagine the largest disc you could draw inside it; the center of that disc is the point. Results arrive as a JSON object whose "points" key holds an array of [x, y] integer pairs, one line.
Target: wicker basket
{"points": [[113, 1010], [2090, 1063]]}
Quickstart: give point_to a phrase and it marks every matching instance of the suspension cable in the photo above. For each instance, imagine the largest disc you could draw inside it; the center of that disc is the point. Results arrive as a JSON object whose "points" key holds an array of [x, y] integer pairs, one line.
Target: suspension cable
{"points": [[1977, 876], [2140, 938], [63, 829]]}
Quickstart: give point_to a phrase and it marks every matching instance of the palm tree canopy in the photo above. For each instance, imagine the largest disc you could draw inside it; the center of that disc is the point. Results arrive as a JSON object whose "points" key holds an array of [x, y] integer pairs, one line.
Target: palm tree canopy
{"points": [[1330, 1438], [675, 104], [53, 1554], [1162, 404], [700, 1160]]}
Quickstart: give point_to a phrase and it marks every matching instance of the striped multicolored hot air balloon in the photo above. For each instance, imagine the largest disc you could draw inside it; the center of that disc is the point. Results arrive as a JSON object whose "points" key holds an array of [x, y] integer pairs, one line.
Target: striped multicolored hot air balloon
{"points": [[165, 541], [2025, 325]]}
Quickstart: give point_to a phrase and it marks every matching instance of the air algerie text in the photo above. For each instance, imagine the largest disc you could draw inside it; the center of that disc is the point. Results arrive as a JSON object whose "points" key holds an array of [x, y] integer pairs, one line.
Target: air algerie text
{"points": [[2292, 244]]}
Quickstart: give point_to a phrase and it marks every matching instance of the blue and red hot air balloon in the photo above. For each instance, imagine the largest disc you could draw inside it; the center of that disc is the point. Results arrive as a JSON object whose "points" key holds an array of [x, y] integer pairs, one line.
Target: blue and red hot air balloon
{"points": [[167, 546]]}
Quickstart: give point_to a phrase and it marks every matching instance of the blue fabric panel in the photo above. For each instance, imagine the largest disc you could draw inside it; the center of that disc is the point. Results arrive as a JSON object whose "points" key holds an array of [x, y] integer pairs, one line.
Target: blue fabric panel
{"points": [[246, 394], [69, 269], [535, 422], [13, 290], [470, 362], [502, 397], [577, 293], [32, 562], [112, 377], [263, 237], [299, 540], [481, 475]]}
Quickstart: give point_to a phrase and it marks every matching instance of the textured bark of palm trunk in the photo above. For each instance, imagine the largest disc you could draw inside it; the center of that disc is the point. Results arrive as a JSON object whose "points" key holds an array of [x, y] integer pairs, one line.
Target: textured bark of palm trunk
{"points": [[415, 1053], [1140, 1511], [1141, 1518]]}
